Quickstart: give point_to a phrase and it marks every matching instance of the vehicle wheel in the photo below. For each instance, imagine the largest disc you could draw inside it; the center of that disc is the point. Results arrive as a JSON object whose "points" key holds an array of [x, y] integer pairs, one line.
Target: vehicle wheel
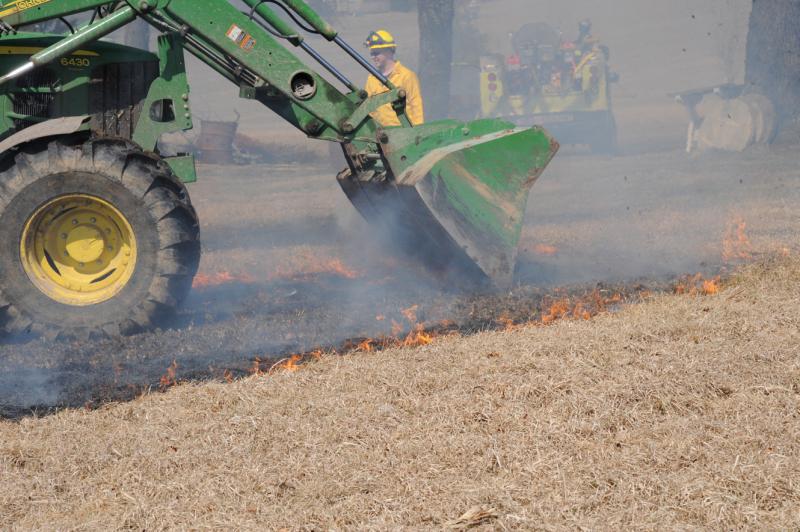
{"points": [[94, 237]]}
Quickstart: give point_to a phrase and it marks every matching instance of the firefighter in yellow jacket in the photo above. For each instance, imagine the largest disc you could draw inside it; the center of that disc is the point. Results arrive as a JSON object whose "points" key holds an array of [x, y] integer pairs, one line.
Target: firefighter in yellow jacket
{"points": [[382, 48]]}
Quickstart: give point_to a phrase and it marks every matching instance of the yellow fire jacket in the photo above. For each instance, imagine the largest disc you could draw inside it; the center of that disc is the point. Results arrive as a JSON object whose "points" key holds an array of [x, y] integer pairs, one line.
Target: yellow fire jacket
{"points": [[405, 79]]}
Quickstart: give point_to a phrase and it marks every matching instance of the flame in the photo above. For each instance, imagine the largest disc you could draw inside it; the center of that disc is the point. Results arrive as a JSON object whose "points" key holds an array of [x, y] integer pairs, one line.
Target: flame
{"points": [[287, 364], [506, 321], [228, 376], [581, 307], [697, 285], [580, 312], [710, 287], [202, 280], [337, 267], [396, 328], [544, 249], [291, 364], [557, 310], [735, 243], [306, 265], [168, 378], [410, 314], [301, 267], [366, 345], [564, 305], [418, 336]]}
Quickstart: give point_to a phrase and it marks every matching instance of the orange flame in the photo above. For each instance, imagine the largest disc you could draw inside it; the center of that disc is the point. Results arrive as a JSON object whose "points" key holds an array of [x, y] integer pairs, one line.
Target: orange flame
{"points": [[410, 314], [557, 310], [417, 337], [291, 364], [202, 280], [735, 243], [697, 285], [710, 287], [582, 307], [306, 265], [168, 378], [396, 328], [579, 312], [287, 364], [338, 267], [506, 321], [366, 345], [544, 249]]}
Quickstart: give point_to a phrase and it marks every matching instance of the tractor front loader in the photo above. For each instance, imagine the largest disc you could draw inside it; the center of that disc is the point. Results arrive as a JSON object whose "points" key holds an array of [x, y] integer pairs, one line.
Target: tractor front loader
{"points": [[97, 231]]}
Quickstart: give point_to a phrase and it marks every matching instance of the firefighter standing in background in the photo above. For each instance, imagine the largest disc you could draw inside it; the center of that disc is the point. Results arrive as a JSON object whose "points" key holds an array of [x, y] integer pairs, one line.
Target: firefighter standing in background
{"points": [[585, 40], [382, 48], [587, 48]]}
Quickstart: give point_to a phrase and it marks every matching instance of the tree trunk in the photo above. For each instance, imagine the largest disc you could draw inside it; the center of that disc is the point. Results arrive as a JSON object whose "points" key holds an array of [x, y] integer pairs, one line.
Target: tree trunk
{"points": [[435, 55], [773, 54]]}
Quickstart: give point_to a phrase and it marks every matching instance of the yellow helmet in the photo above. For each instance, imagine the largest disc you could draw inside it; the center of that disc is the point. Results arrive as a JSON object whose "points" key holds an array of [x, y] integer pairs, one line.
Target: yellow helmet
{"points": [[380, 39]]}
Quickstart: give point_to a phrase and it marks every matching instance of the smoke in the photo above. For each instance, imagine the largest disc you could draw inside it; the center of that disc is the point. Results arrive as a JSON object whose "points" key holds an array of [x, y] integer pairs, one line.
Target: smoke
{"points": [[25, 388]]}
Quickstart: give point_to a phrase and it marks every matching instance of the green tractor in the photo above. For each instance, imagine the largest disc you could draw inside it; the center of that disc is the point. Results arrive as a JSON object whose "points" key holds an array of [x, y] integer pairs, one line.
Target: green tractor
{"points": [[564, 85], [97, 231]]}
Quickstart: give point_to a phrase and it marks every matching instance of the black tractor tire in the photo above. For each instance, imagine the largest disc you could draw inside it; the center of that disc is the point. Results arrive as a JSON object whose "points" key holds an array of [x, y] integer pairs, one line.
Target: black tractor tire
{"points": [[143, 189]]}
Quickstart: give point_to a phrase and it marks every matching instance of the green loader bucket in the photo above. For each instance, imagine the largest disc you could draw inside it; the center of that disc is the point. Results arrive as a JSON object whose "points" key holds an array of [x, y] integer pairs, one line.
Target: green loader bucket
{"points": [[456, 193]]}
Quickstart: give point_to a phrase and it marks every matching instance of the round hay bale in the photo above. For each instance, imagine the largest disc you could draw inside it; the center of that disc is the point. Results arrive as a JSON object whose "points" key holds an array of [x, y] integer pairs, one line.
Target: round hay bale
{"points": [[727, 125]]}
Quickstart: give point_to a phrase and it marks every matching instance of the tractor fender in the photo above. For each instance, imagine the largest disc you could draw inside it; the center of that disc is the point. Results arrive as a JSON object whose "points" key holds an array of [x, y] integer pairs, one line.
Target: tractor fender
{"points": [[50, 128]]}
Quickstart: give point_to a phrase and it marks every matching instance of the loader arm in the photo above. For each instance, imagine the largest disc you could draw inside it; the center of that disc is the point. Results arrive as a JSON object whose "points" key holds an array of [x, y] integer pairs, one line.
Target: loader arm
{"points": [[220, 34]]}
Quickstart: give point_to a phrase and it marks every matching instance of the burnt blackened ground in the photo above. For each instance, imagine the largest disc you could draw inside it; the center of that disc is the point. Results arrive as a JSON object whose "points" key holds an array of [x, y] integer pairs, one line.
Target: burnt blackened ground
{"points": [[229, 327]]}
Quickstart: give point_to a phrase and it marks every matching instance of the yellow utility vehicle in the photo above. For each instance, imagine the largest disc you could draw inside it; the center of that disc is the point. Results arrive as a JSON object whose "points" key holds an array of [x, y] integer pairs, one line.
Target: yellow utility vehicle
{"points": [[550, 81]]}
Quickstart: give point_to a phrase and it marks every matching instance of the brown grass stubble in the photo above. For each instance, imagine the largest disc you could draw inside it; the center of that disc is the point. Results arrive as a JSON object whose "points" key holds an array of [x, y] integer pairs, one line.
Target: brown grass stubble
{"points": [[683, 411]]}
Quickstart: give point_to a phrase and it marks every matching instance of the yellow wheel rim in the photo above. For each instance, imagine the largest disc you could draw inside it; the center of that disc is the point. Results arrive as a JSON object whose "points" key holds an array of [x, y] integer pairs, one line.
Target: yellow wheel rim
{"points": [[78, 250]]}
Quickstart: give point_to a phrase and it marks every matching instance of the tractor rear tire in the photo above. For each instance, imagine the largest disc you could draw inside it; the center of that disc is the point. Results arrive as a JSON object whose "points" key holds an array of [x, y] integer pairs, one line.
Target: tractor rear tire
{"points": [[95, 237]]}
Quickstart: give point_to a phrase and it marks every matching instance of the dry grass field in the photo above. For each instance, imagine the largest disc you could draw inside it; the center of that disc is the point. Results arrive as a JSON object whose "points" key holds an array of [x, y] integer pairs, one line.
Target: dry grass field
{"points": [[679, 412]]}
